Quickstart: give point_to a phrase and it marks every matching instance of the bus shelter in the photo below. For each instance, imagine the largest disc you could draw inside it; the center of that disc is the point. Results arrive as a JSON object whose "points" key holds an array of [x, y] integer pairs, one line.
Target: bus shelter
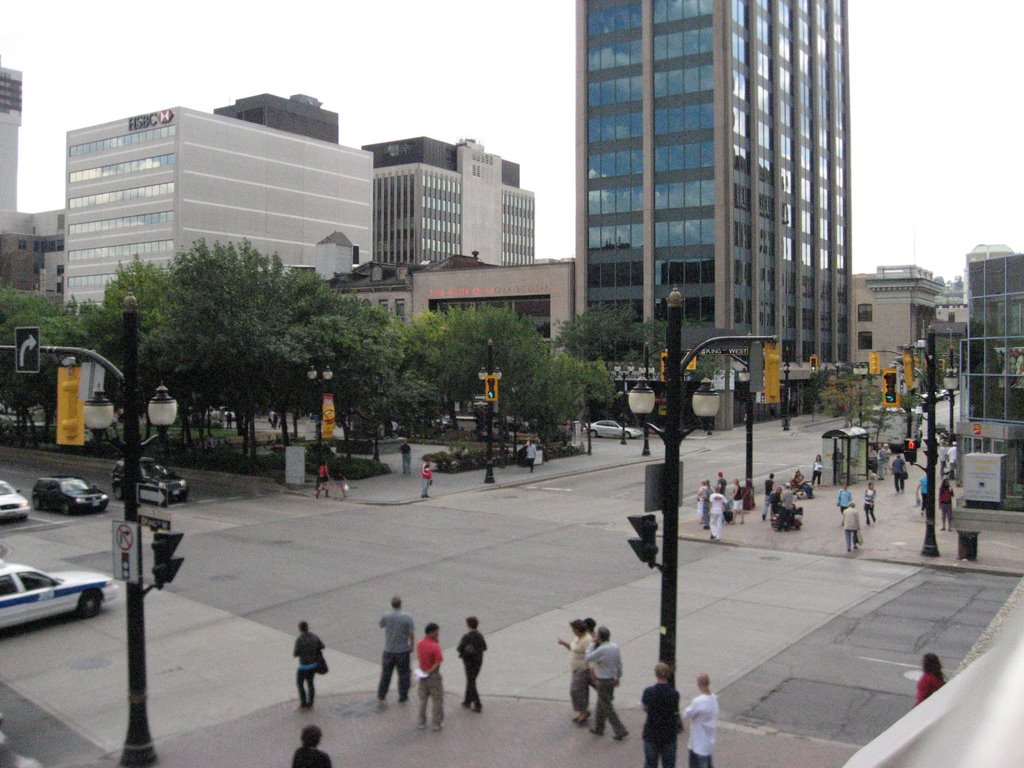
{"points": [[844, 452]]}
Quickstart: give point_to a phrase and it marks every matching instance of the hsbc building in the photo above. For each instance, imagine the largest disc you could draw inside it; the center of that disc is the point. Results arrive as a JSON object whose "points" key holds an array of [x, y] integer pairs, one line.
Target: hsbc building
{"points": [[149, 185]]}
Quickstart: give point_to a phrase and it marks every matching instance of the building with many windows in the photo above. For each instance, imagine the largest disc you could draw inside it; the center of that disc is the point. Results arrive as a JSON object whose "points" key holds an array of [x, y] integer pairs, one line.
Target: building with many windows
{"points": [[151, 185], [433, 200], [713, 155], [894, 307], [10, 122]]}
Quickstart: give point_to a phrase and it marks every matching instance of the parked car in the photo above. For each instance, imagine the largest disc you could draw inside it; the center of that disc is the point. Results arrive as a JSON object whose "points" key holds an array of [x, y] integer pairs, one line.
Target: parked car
{"points": [[609, 428], [68, 495], [175, 487], [13, 506], [27, 594]]}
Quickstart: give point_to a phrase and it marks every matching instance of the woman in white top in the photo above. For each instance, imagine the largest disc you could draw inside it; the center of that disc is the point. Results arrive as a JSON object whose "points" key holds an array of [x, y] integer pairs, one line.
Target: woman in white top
{"points": [[816, 468], [716, 516], [579, 687]]}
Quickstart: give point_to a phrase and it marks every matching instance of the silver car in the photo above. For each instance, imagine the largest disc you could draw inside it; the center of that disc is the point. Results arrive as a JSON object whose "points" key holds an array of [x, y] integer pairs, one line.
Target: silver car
{"points": [[609, 428], [13, 506]]}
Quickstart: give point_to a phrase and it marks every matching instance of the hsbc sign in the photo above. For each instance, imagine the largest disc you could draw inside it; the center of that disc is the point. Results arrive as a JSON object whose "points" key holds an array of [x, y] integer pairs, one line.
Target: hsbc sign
{"points": [[139, 122]]}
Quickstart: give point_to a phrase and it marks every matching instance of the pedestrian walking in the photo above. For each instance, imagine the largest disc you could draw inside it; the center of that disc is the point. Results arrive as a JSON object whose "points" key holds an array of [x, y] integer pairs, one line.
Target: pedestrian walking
{"points": [[721, 483], [579, 685], [342, 485], [899, 472], [607, 662], [769, 489], [716, 514], [471, 650], [427, 475], [883, 461], [323, 479], [946, 503], [399, 635], [943, 458], [702, 713], [308, 755], [845, 498], [309, 650], [851, 527], [816, 467], [735, 501], [703, 496], [531, 454], [431, 687], [869, 504], [922, 492], [406, 451], [931, 677], [661, 728], [951, 460]]}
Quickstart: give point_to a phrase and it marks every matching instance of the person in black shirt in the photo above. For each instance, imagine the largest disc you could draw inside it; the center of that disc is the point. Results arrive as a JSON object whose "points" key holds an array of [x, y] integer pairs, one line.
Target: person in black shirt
{"points": [[308, 756], [471, 650], [661, 702], [307, 648]]}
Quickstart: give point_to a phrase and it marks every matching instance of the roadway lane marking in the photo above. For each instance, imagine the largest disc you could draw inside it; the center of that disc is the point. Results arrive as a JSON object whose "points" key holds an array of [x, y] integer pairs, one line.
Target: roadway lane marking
{"points": [[545, 488], [886, 661]]}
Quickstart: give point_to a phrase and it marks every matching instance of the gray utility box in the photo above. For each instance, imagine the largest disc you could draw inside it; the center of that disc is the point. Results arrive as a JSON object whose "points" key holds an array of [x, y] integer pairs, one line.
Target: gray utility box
{"points": [[984, 479]]}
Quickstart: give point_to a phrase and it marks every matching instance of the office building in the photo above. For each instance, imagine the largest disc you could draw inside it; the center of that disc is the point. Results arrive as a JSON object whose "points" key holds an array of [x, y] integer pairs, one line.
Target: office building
{"points": [[150, 185], [32, 251], [894, 307], [301, 114], [713, 156], [433, 200], [10, 122]]}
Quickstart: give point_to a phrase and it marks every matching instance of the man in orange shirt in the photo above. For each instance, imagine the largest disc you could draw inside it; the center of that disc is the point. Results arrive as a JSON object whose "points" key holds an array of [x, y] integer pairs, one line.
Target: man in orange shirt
{"points": [[428, 651]]}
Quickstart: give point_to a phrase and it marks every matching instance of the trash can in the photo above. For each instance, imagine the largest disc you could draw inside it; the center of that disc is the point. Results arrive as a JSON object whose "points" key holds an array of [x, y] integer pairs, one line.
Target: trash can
{"points": [[967, 545]]}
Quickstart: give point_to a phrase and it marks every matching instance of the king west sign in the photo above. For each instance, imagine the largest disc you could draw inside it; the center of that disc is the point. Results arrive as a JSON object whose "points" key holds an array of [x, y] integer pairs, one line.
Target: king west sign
{"points": [[140, 122]]}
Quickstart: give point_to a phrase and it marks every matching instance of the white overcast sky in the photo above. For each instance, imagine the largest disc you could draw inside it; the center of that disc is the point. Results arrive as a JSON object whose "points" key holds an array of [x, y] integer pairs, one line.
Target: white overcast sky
{"points": [[936, 96]]}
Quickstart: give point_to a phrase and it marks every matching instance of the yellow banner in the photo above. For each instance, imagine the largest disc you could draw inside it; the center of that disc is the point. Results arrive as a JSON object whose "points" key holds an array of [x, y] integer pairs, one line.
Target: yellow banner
{"points": [[327, 422]]}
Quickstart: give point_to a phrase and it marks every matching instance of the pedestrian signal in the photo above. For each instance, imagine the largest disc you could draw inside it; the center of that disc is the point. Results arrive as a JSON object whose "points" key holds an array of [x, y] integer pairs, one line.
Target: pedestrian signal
{"points": [[910, 450]]}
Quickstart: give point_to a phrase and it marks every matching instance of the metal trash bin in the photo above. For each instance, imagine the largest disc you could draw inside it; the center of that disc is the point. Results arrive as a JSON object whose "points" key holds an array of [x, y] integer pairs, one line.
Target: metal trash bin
{"points": [[967, 545]]}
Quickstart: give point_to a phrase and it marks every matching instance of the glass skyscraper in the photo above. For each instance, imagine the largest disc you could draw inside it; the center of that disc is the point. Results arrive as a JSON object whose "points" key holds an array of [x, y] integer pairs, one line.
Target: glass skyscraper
{"points": [[713, 156]]}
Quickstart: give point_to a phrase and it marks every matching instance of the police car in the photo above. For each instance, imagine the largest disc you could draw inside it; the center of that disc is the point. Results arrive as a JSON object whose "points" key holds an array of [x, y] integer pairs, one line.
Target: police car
{"points": [[27, 594]]}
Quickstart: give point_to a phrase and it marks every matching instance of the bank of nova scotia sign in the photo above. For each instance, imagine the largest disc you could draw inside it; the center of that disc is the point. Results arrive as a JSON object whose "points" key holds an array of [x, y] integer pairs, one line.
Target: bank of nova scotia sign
{"points": [[139, 122]]}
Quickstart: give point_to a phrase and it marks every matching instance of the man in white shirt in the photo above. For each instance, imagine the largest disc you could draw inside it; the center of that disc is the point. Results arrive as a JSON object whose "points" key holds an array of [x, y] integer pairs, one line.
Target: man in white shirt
{"points": [[703, 716], [716, 515], [951, 456]]}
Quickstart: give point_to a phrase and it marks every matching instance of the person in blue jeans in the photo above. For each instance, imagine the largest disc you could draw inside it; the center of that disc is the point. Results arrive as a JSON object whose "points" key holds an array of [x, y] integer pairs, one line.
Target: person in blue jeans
{"points": [[308, 648], [844, 499], [899, 466], [399, 634]]}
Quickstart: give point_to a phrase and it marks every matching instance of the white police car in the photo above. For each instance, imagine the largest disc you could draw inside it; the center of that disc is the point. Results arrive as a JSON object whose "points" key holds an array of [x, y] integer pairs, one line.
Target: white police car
{"points": [[13, 506], [27, 594]]}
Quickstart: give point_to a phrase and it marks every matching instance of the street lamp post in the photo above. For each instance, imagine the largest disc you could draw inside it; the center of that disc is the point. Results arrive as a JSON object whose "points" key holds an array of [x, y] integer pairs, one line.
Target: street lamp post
{"points": [[785, 416], [951, 381], [931, 449], [744, 376], [326, 375], [99, 413], [641, 402], [490, 371]]}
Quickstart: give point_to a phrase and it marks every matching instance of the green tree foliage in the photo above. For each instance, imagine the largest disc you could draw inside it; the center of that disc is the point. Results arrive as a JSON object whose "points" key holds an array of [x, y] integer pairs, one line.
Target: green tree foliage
{"points": [[606, 333]]}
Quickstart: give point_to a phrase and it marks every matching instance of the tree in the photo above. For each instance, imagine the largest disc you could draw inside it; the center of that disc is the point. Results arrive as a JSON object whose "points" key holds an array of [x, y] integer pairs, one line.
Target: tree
{"points": [[606, 333]]}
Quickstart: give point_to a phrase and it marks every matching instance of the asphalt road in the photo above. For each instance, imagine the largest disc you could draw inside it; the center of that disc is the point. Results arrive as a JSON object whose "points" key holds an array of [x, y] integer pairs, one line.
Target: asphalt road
{"points": [[815, 646]]}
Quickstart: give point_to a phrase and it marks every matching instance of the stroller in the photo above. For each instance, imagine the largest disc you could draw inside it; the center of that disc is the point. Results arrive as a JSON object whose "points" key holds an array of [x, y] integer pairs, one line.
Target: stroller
{"points": [[784, 520]]}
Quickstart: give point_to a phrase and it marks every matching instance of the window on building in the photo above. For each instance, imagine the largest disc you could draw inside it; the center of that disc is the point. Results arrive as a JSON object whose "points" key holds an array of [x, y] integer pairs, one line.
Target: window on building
{"points": [[865, 313], [865, 340]]}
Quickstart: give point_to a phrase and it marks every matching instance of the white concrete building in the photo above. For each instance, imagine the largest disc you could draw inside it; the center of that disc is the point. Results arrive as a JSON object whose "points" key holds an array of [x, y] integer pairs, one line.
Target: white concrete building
{"points": [[152, 184], [10, 122]]}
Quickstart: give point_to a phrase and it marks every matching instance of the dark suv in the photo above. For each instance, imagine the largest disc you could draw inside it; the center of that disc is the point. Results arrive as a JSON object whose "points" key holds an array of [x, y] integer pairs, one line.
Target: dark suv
{"points": [[152, 473], [68, 495]]}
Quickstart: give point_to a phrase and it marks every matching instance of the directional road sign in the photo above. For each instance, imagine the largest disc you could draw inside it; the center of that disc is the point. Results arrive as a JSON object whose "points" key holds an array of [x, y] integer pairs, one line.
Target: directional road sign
{"points": [[26, 349]]}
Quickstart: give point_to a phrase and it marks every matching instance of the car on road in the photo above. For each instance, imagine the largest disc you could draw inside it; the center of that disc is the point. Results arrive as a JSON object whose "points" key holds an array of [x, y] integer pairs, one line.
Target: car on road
{"points": [[13, 506], [68, 495], [609, 428], [152, 473], [27, 594]]}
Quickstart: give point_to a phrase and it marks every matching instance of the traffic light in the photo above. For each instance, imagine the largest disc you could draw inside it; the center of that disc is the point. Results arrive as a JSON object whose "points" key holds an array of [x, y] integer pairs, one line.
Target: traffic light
{"points": [[165, 566], [813, 360], [491, 388], [890, 388], [772, 361], [664, 363], [910, 450], [692, 365], [874, 363], [908, 369], [70, 410], [646, 547]]}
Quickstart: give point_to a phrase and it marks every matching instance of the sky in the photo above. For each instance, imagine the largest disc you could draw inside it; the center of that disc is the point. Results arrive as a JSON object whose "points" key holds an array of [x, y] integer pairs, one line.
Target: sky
{"points": [[936, 109]]}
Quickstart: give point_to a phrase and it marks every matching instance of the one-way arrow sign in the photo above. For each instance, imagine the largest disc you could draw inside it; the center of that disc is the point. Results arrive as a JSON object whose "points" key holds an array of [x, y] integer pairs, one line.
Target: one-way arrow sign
{"points": [[26, 350]]}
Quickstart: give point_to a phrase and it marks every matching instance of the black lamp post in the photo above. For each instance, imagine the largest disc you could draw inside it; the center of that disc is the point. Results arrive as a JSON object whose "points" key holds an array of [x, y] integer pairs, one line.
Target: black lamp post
{"points": [[490, 371], [951, 382], [785, 416], [641, 402], [326, 375], [931, 449], [744, 376], [99, 415]]}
